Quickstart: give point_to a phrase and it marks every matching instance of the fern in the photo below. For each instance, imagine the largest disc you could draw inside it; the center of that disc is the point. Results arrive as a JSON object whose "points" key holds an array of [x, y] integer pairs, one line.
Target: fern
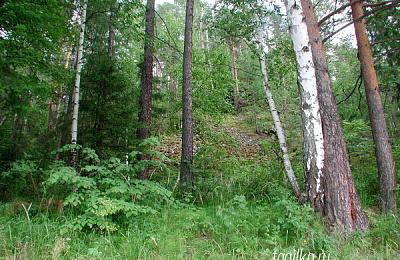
{"points": [[106, 193]]}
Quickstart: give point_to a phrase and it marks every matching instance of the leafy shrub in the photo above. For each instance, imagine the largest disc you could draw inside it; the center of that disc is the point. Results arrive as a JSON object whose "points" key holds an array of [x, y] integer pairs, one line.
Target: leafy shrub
{"points": [[105, 193], [22, 179]]}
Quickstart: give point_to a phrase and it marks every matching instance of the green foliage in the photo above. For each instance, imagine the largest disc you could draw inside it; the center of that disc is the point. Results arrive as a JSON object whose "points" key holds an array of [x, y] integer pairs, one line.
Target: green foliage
{"points": [[103, 194], [22, 180], [241, 206], [107, 110], [31, 33], [32, 37], [108, 106], [346, 82], [360, 146], [211, 94], [234, 20]]}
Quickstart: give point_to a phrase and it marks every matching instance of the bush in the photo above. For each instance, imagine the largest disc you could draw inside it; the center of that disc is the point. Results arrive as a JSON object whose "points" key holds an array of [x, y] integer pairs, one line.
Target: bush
{"points": [[106, 193]]}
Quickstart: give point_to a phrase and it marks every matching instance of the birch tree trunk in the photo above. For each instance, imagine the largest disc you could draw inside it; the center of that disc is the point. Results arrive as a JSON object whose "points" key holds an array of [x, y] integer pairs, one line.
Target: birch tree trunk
{"points": [[234, 73], [75, 112], [309, 106], [340, 203], [380, 133], [147, 87], [186, 173], [275, 116]]}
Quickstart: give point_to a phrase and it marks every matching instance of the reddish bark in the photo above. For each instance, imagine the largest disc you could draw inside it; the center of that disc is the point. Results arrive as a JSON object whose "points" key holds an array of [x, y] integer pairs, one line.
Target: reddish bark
{"points": [[339, 202], [380, 133], [147, 87], [186, 173]]}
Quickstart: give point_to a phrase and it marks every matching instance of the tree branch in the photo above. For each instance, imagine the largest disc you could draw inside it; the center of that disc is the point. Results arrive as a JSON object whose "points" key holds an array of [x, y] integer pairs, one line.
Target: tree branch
{"points": [[377, 4], [358, 83], [386, 40], [97, 12], [392, 5], [337, 11], [166, 27]]}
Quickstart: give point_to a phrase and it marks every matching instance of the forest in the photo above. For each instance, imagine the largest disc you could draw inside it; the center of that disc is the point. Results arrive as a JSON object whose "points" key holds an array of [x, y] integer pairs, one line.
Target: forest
{"points": [[183, 129]]}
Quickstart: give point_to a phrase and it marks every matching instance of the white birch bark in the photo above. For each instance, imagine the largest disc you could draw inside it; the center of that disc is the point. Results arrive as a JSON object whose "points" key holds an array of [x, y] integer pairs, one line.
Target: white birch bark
{"points": [[263, 48], [312, 124], [74, 128]]}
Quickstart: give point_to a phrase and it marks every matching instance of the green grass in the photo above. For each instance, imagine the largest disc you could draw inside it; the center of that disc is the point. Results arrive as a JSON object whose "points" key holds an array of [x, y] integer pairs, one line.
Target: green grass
{"points": [[232, 230]]}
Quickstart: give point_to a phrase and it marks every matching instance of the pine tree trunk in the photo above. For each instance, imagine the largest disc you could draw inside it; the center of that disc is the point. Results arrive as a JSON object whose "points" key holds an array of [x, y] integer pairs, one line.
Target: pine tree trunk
{"points": [[309, 106], [380, 133], [340, 203], [55, 108], [277, 122], [75, 112], [60, 90], [186, 173], [147, 87]]}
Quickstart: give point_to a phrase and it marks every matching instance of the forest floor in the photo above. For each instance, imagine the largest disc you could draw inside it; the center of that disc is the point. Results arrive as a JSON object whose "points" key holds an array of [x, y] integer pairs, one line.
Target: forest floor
{"points": [[234, 134]]}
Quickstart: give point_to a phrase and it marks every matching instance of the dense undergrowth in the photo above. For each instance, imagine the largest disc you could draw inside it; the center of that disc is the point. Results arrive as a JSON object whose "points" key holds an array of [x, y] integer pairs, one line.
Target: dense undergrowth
{"points": [[241, 207]]}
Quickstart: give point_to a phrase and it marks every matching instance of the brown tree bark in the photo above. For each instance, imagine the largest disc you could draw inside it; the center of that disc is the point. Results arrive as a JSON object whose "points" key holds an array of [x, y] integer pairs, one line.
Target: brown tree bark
{"points": [[147, 87], [55, 108], [339, 202], [186, 173], [380, 133]]}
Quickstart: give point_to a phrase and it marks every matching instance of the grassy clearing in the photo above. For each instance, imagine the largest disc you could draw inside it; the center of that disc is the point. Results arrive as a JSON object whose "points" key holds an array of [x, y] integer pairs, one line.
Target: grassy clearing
{"points": [[231, 230]]}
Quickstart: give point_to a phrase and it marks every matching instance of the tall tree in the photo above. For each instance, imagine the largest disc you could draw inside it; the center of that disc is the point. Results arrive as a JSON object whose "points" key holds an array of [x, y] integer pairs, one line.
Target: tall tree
{"points": [[75, 113], [186, 173], [338, 200], [380, 133], [144, 130], [106, 109], [312, 124]]}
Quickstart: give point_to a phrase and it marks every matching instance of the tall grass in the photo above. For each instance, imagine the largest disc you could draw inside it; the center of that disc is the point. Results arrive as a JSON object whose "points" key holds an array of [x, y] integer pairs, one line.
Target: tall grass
{"points": [[234, 230]]}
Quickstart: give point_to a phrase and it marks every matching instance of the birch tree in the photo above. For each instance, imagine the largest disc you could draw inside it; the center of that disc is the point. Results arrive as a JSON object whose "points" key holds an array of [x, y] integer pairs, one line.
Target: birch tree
{"points": [[263, 49], [310, 110], [75, 112], [380, 133], [234, 72]]}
